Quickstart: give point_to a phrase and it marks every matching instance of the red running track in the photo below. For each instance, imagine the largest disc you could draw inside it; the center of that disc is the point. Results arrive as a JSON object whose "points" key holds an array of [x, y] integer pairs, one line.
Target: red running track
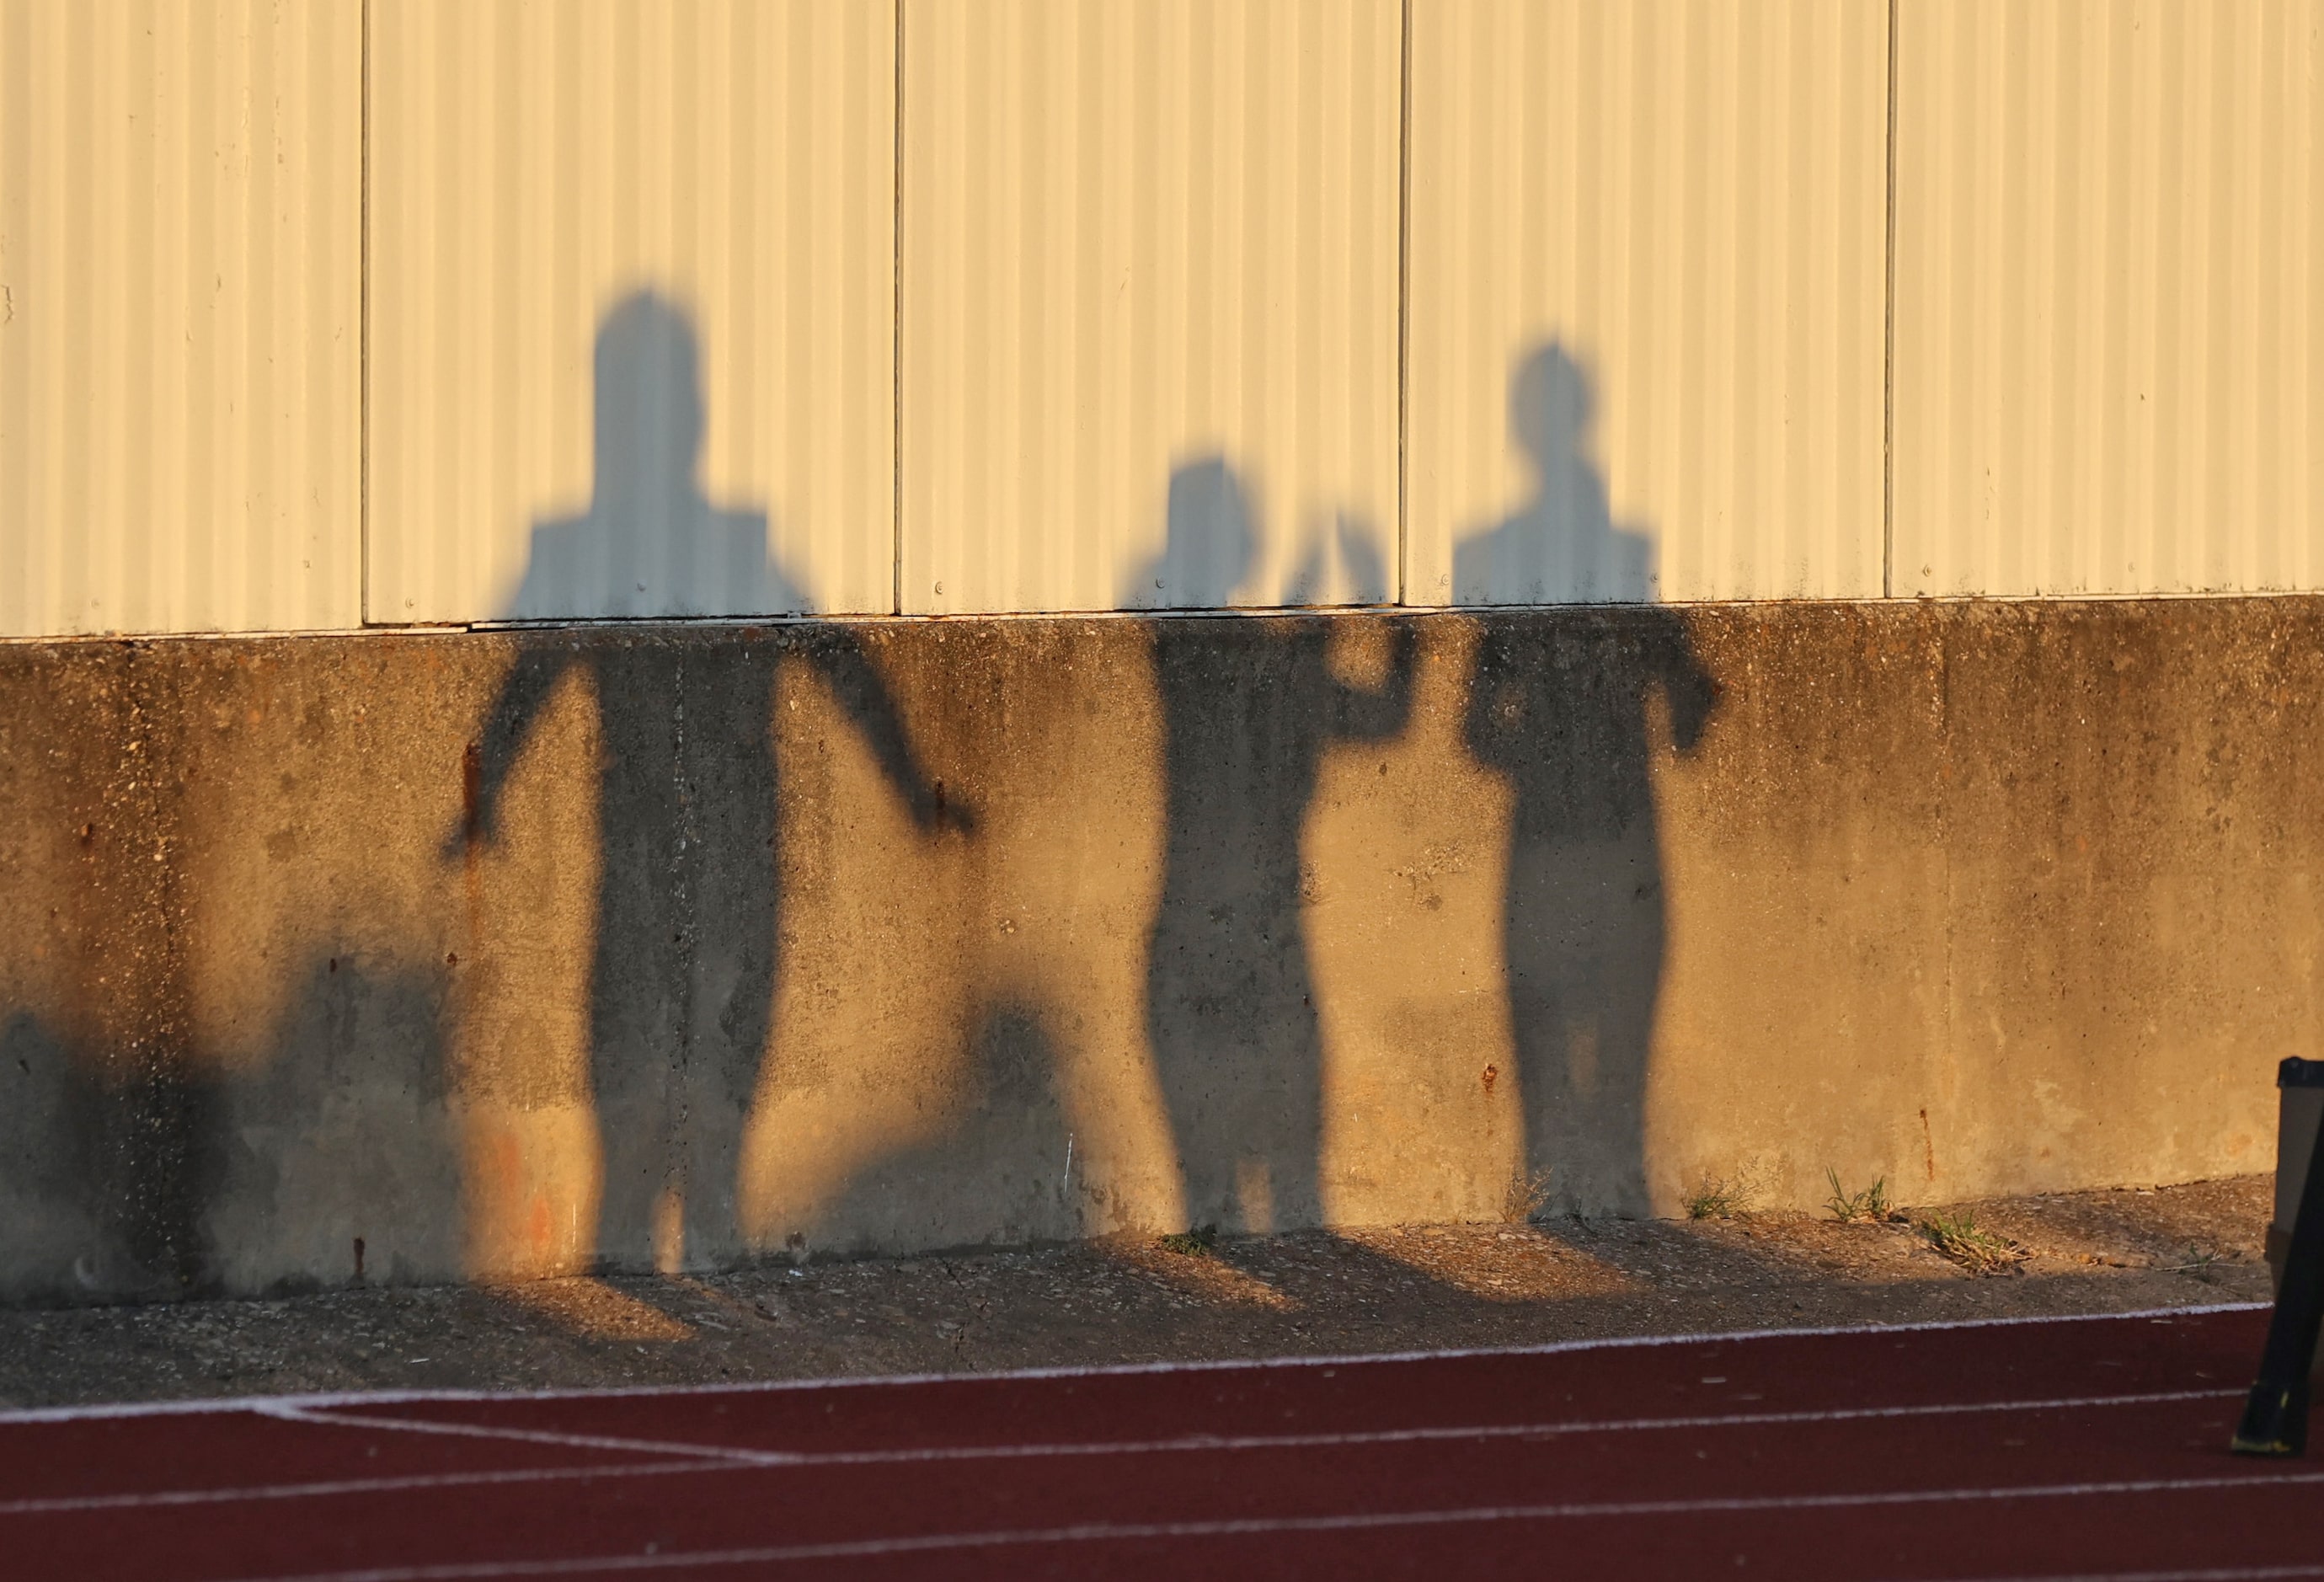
{"points": [[2073, 1448]]}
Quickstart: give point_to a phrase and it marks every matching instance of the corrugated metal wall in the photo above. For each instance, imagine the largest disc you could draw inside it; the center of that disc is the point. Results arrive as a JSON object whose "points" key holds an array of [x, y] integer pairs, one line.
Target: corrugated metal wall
{"points": [[179, 215], [2109, 349], [603, 235], [1649, 243], [1159, 327], [1150, 303]]}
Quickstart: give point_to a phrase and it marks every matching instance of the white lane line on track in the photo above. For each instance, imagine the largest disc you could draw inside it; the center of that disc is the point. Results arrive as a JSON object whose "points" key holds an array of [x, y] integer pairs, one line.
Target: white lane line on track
{"points": [[693, 1458], [1120, 1370], [409, 1482], [736, 1454], [2228, 1574], [1264, 1526]]}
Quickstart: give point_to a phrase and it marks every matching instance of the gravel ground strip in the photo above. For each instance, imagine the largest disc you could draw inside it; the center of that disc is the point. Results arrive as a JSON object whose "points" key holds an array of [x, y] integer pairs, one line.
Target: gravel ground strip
{"points": [[1131, 1300]]}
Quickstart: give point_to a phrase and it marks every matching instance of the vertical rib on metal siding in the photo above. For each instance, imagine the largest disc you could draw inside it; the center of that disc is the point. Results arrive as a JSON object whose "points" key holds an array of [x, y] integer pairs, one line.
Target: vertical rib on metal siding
{"points": [[1142, 237], [1670, 212], [565, 194], [2109, 354], [179, 298]]}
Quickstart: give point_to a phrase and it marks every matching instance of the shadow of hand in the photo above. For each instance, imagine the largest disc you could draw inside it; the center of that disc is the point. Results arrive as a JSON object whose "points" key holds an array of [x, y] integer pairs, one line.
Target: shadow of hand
{"points": [[1693, 698], [938, 812], [477, 833], [959, 820]]}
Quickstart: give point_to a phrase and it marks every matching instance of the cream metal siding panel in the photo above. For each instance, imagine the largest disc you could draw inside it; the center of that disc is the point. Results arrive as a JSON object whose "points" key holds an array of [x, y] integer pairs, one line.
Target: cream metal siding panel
{"points": [[179, 302], [599, 230], [1150, 292], [2110, 356], [1670, 214]]}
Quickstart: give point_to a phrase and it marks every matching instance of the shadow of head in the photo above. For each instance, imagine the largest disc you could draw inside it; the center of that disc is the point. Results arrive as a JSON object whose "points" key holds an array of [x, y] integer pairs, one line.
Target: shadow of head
{"points": [[651, 542], [1561, 545], [1549, 409], [647, 368], [1213, 539]]}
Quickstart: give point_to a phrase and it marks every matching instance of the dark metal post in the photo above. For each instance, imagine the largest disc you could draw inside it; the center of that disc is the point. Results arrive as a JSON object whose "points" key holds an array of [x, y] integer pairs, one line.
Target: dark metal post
{"points": [[2276, 1420]]}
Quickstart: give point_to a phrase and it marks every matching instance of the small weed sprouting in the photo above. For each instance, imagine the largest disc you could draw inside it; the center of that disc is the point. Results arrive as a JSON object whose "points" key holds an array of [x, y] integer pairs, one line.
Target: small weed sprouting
{"points": [[2200, 1263], [1980, 1252], [1527, 1192], [1196, 1243], [1870, 1204], [1719, 1198]]}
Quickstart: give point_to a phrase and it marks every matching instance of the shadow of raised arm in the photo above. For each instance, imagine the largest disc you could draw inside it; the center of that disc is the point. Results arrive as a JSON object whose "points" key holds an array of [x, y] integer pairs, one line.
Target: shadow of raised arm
{"points": [[489, 759], [1493, 726], [861, 691], [1689, 690], [1372, 714]]}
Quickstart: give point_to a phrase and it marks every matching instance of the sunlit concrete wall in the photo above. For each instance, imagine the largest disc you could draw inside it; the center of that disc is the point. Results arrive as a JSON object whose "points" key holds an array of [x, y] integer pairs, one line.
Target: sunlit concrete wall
{"points": [[423, 953], [328, 315], [674, 946]]}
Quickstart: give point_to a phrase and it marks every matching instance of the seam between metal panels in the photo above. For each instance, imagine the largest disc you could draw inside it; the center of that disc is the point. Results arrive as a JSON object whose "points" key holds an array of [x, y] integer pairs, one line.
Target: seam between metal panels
{"points": [[896, 341], [1888, 342], [362, 322], [1404, 310]]}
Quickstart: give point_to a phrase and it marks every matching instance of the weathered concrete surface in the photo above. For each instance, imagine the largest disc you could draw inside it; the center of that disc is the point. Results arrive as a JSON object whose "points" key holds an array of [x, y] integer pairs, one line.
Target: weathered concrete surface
{"points": [[520, 952]]}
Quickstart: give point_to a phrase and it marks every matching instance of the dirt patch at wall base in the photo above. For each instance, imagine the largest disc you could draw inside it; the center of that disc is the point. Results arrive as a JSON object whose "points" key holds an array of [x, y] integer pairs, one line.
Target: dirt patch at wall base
{"points": [[1135, 1300]]}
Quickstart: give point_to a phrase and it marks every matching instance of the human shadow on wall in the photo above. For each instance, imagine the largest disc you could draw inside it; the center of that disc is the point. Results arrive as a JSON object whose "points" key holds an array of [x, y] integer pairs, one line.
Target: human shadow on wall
{"points": [[160, 1135], [339, 1156], [1565, 713], [1248, 708], [1562, 545], [107, 1169], [682, 977]]}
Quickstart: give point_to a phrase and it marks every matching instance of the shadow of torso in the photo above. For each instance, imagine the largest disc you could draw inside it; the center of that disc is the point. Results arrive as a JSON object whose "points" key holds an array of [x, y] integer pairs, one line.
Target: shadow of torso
{"points": [[1250, 708], [1566, 714], [1571, 724], [689, 788]]}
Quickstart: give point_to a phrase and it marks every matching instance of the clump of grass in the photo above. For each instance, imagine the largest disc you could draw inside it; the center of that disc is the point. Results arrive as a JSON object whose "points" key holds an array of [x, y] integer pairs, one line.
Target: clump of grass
{"points": [[2200, 1262], [1870, 1204], [1719, 1197], [1527, 1192], [1196, 1243], [1980, 1252]]}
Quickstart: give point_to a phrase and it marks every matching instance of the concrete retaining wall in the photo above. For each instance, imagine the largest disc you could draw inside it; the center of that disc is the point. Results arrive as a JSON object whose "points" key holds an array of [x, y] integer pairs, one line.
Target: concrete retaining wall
{"points": [[426, 957]]}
